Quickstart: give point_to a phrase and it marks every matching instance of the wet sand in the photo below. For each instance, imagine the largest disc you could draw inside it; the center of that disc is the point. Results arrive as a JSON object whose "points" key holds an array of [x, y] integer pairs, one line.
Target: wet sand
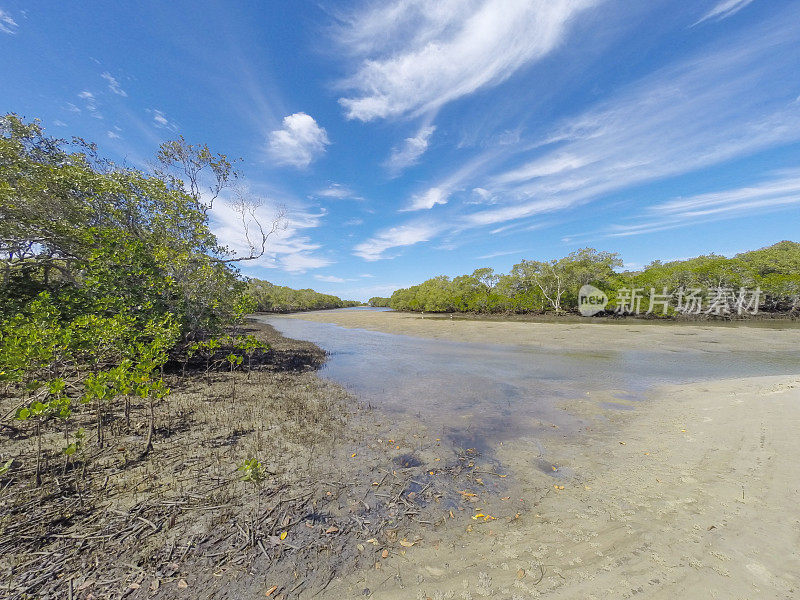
{"points": [[633, 335], [692, 493]]}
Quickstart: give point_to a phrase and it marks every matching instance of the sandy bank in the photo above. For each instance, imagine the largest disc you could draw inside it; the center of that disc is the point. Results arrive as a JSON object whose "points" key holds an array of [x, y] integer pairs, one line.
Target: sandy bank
{"points": [[574, 336], [693, 495]]}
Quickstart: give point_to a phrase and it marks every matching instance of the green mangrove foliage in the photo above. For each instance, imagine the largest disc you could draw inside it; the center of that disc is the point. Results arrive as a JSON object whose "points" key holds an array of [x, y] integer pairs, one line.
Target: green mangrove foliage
{"points": [[377, 301], [268, 297], [107, 272], [553, 286]]}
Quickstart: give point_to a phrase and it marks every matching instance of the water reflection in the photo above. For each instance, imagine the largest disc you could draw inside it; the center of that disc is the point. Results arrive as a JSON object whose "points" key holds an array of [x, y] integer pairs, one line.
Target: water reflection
{"points": [[478, 394]]}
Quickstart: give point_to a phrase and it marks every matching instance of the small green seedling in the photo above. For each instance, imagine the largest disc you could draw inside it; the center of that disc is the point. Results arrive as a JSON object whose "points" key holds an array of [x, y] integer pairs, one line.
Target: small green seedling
{"points": [[253, 471]]}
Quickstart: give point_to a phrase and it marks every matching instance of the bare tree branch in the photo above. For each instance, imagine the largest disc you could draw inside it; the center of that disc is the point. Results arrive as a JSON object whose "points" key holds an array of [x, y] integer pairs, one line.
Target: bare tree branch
{"points": [[255, 234]]}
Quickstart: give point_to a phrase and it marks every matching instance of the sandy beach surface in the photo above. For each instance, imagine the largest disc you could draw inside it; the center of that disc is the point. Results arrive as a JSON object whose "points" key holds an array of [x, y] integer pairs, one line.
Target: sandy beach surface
{"points": [[632, 335], [693, 493]]}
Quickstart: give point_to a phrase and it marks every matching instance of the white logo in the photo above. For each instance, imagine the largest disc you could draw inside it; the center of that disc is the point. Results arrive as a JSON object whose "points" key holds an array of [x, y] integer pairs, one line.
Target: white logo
{"points": [[591, 300]]}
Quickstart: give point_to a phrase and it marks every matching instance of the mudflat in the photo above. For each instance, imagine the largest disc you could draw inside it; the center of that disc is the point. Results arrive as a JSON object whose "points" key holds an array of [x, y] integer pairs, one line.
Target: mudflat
{"points": [[633, 335], [690, 494]]}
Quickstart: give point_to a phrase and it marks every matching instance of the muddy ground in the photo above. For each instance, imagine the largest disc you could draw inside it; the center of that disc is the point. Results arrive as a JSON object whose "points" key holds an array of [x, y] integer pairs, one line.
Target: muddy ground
{"points": [[342, 491]]}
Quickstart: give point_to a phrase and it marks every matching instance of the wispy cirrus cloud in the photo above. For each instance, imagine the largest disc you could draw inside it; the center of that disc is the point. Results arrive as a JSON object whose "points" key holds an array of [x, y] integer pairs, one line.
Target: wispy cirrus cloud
{"points": [[416, 55], [333, 279], [396, 237], [428, 199], [90, 103], [782, 191], [160, 119], [497, 254], [723, 9], [7, 23], [774, 192], [113, 84], [338, 191], [298, 142], [409, 152], [701, 112], [440, 192]]}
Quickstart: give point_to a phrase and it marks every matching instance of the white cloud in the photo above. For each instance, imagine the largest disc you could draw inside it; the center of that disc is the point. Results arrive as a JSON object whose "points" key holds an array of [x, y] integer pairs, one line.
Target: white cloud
{"points": [[331, 279], [723, 10], [160, 119], [701, 112], [7, 23], [783, 190], [417, 55], [442, 190], [113, 135], [780, 192], [481, 195], [550, 165], [113, 84], [339, 192], [353, 222], [395, 237], [514, 212], [59, 123], [302, 262], [408, 153], [497, 254], [90, 102], [299, 142], [428, 199]]}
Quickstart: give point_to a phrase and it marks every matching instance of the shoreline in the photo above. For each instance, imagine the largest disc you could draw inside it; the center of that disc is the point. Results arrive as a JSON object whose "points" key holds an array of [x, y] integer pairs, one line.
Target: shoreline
{"points": [[643, 500], [687, 493], [691, 497], [577, 336], [182, 520]]}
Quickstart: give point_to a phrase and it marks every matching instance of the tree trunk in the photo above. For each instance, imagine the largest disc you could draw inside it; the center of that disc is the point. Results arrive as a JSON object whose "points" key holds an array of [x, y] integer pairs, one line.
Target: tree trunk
{"points": [[38, 452], [148, 443], [99, 423]]}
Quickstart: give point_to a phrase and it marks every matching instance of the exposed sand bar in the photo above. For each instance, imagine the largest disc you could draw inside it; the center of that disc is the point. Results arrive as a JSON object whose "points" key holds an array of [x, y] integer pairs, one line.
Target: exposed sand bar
{"points": [[692, 494], [637, 335], [695, 495]]}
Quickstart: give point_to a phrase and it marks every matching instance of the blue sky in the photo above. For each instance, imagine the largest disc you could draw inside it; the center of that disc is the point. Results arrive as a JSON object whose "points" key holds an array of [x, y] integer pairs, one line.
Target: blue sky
{"points": [[411, 138]]}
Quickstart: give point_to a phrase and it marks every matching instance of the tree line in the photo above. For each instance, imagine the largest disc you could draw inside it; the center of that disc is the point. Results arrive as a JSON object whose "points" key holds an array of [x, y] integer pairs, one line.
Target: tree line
{"points": [[379, 302], [553, 286], [268, 297]]}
